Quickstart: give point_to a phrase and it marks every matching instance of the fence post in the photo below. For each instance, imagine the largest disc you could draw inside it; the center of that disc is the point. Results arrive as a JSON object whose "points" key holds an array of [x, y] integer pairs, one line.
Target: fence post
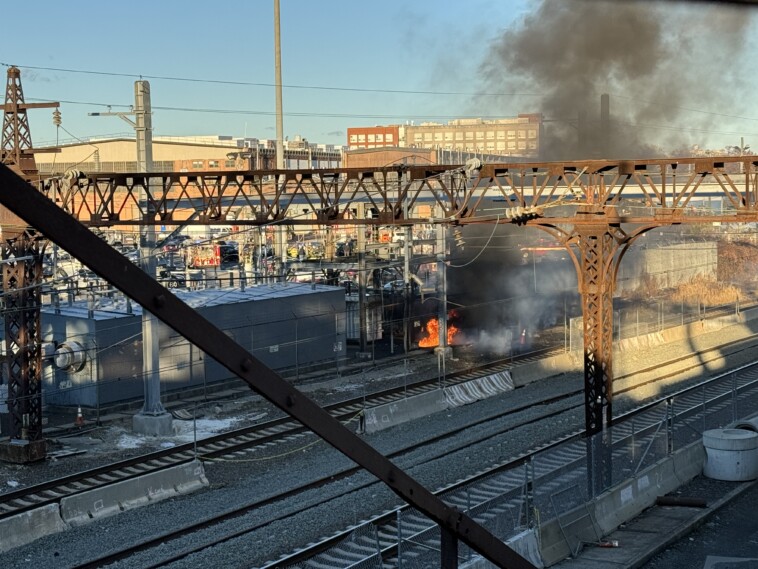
{"points": [[734, 396], [399, 540]]}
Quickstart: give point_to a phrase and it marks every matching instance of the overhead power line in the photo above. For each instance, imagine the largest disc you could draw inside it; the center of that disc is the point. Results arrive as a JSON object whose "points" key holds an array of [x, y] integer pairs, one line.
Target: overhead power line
{"points": [[286, 86]]}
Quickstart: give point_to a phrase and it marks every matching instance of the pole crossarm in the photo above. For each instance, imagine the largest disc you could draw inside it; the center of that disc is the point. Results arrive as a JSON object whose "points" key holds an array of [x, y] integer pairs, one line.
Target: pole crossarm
{"points": [[75, 238], [660, 191]]}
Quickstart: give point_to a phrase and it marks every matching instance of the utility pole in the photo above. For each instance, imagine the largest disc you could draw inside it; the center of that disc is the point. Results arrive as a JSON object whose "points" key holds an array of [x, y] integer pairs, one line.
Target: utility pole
{"points": [[278, 81], [153, 419]]}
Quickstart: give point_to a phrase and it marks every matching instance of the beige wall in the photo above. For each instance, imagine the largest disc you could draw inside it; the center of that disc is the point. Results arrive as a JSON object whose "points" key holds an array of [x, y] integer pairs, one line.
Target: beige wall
{"points": [[120, 155]]}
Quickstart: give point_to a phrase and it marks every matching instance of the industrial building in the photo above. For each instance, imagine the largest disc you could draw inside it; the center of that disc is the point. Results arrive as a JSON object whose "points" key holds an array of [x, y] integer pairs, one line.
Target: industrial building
{"points": [[93, 355], [187, 154], [516, 136]]}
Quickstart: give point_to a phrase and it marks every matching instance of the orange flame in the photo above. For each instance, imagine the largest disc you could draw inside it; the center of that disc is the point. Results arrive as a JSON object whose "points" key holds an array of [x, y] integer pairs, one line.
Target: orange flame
{"points": [[433, 334]]}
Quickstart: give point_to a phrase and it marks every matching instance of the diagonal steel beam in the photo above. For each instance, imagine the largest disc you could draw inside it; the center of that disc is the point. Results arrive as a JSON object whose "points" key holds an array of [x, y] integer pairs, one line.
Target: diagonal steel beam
{"points": [[58, 226]]}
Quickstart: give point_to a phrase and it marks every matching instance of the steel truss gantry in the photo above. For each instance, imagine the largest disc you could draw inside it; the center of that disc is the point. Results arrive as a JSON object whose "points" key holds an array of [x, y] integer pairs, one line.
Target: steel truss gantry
{"points": [[595, 208]]}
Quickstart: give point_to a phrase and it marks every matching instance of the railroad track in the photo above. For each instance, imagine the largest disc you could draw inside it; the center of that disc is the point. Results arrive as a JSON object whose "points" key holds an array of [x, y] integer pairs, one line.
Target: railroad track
{"points": [[228, 445], [223, 445], [494, 497]]}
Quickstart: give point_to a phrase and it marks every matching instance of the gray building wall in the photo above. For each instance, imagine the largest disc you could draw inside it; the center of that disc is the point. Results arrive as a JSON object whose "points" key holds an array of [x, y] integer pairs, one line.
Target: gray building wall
{"points": [[669, 265], [286, 326]]}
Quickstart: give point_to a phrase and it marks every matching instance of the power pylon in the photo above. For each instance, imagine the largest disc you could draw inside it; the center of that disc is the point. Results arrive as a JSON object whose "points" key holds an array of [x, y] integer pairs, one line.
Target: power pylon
{"points": [[22, 250], [17, 151]]}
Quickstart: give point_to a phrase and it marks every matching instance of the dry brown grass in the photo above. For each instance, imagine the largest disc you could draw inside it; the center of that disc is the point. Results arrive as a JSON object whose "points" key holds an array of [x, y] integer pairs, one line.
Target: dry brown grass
{"points": [[705, 290]]}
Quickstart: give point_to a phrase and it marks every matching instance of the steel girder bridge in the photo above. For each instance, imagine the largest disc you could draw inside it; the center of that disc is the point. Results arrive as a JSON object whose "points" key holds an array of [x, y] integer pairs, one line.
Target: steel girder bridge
{"points": [[596, 209]]}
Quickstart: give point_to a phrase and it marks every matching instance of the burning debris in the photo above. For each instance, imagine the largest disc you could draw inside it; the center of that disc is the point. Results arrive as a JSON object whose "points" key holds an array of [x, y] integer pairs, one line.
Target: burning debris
{"points": [[432, 339]]}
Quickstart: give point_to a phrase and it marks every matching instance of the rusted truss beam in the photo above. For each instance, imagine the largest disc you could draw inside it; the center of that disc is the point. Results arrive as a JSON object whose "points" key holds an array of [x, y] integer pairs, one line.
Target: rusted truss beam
{"points": [[658, 187], [75, 238]]}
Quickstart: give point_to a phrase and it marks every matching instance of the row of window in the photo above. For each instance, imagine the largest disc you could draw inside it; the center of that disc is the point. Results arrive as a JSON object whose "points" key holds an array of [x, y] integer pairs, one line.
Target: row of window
{"points": [[510, 145], [448, 135], [380, 137]]}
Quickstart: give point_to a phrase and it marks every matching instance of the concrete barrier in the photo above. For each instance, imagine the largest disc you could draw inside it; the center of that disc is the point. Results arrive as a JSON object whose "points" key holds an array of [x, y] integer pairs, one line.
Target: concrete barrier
{"points": [[524, 543], [114, 498], [608, 511], [526, 373], [26, 527], [398, 412], [478, 389]]}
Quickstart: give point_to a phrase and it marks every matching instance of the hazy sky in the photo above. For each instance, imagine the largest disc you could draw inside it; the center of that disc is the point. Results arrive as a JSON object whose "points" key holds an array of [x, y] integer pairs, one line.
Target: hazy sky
{"points": [[442, 53]]}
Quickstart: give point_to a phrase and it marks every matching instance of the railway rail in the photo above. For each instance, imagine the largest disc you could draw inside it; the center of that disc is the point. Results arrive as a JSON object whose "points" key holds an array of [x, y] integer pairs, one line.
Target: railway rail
{"points": [[217, 447], [228, 443]]}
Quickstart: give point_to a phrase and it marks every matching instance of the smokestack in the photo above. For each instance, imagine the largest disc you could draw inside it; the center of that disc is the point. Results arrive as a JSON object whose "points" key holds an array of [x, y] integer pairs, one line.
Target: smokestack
{"points": [[605, 125]]}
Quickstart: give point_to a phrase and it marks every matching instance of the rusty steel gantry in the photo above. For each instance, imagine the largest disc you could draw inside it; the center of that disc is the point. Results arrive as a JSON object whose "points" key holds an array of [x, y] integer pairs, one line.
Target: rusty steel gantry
{"points": [[595, 208], [587, 205], [22, 251]]}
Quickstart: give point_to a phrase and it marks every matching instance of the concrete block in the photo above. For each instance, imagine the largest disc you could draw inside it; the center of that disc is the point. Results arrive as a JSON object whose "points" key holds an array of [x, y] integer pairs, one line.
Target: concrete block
{"points": [[391, 414], [731, 454], [153, 425], [26, 527], [114, 498], [524, 543], [477, 389]]}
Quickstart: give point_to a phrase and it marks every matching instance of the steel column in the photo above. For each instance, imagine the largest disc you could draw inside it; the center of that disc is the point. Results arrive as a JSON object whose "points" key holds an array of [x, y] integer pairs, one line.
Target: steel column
{"points": [[22, 271], [597, 247]]}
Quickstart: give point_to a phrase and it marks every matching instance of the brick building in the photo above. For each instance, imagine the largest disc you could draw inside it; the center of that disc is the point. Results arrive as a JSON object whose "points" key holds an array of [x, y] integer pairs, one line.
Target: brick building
{"points": [[517, 136]]}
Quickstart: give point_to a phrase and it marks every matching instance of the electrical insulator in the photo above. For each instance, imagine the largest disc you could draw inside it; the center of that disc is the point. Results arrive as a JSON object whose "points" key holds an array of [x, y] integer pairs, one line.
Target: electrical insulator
{"points": [[57, 117]]}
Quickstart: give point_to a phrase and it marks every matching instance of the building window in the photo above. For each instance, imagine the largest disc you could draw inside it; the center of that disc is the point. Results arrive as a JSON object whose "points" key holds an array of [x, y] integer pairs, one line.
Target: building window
{"points": [[361, 138], [353, 138], [229, 164], [438, 137], [511, 135], [490, 135], [479, 135], [459, 135], [522, 134], [212, 163], [521, 145], [511, 145], [197, 164], [427, 137], [371, 138], [500, 145], [380, 138], [448, 135], [390, 137], [469, 135], [418, 137], [501, 135], [532, 133], [532, 145]]}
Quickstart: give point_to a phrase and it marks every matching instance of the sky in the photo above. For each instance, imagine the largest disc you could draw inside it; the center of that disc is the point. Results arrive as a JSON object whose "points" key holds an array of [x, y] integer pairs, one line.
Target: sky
{"points": [[357, 63]]}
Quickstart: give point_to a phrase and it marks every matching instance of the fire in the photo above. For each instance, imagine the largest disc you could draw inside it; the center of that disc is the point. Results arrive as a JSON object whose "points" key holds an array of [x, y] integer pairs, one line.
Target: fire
{"points": [[432, 338]]}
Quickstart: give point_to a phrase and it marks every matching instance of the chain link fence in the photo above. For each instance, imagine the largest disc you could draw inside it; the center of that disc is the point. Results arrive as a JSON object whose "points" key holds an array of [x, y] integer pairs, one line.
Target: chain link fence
{"points": [[558, 481]]}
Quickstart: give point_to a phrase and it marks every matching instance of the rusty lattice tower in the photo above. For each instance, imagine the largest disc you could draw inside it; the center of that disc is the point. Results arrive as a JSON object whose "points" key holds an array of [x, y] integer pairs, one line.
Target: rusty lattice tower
{"points": [[22, 251]]}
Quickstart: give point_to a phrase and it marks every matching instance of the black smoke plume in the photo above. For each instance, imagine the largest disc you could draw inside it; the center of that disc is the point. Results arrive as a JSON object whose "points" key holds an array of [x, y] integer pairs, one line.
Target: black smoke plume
{"points": [[662, 63]]}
